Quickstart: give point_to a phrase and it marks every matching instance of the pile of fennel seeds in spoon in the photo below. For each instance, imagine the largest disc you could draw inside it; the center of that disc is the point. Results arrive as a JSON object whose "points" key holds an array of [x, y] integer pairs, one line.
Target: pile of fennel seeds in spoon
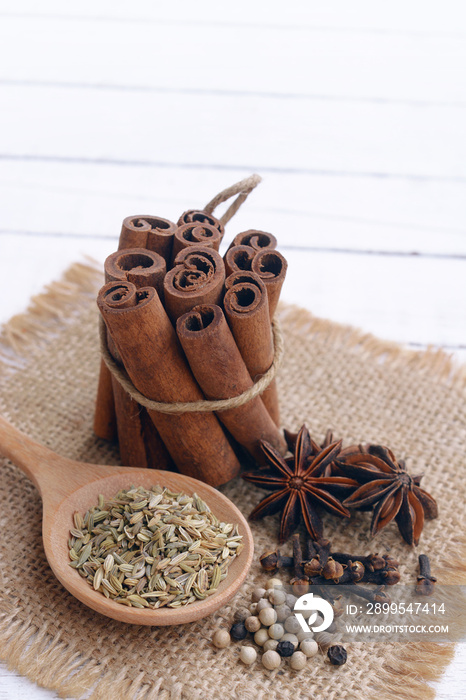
{"points": [[153, 548]]}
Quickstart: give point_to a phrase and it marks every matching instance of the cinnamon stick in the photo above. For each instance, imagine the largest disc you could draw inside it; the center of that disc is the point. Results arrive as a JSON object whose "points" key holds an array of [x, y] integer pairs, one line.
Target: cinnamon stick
{"points": [[201, 217], [197, 277], [155, 234], [144, 268], [221, 373], [105, 424], [246, 309], [152, 356], [196, 234], [258, 240], [238, 259], [132, 452], [271, 267], [151, 232], [139, 442]]}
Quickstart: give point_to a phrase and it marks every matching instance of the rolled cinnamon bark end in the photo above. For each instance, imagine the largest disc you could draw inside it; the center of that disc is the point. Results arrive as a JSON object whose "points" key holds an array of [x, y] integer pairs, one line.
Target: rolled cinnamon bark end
{"points": [[238, 259], [150, 352], [198, 277], [258, 240], [142, 267], [151, 232], [222, 374], [271, 267], [196, 234], [198, 216], [247, 311]]}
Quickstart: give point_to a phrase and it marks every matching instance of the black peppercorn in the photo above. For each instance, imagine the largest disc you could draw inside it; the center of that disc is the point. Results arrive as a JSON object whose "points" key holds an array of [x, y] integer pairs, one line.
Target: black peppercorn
{"points": [[337, 655], [238, 631], [285, 648]]}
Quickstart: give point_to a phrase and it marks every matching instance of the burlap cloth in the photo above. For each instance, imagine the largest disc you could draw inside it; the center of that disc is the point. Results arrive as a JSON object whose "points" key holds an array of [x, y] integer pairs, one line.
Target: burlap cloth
{"points": [[332, 376]]}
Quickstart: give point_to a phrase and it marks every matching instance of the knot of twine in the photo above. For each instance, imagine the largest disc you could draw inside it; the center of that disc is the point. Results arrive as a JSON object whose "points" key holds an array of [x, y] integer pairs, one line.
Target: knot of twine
{"points": [[242, 189], [203, 406]]}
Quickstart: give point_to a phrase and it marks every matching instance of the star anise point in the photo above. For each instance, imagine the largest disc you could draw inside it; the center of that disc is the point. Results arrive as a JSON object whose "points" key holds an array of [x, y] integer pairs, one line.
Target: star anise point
{"points": [[299, 484], [384, 483]]}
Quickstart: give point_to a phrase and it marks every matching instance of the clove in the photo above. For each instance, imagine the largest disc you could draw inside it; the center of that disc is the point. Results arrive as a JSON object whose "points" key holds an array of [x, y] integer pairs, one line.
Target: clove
{"points": [[425, 581], [311, 551], [300, 582], [356, 570], [373, 596], [313, 567], [323, 549], [389, 576], [320, 562], [373, 562], [270, 561]]}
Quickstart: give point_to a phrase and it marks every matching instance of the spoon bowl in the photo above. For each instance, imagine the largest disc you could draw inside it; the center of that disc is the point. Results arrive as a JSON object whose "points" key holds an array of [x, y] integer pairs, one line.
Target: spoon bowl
{"points": [[67, 486]]}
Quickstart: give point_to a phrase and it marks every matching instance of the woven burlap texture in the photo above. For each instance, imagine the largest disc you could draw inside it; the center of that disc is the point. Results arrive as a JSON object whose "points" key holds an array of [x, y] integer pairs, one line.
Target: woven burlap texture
{"points": [[364, 389]]}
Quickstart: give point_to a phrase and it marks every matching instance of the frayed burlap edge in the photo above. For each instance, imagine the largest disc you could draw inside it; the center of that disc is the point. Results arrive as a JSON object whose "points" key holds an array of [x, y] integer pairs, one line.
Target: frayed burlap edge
{"points": [[54, 664]]}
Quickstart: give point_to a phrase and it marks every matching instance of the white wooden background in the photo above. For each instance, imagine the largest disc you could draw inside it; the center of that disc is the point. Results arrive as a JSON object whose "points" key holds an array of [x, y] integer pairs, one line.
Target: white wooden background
{"points": [[353, 113]]}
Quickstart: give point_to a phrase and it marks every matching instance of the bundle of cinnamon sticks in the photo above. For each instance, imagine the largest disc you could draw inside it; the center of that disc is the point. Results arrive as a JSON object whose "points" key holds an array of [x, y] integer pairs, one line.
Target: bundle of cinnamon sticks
{"points": [[187, 325]]}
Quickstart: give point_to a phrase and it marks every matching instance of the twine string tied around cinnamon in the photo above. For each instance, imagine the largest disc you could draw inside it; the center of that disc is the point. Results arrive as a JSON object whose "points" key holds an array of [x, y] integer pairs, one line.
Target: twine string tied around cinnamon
{"points": [[206, 406]]}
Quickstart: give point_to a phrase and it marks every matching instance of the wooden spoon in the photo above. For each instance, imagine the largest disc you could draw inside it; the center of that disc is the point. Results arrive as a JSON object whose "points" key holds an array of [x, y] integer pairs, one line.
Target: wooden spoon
{"points": [[67, 486]]}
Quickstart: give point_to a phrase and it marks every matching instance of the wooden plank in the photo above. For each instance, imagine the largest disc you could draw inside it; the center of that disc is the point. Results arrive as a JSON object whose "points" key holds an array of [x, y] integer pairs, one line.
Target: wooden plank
{"points": [[362, 16], [404, 299], [16, 687], [363, 141], [190, 52], [200, 49], [313, 211]]}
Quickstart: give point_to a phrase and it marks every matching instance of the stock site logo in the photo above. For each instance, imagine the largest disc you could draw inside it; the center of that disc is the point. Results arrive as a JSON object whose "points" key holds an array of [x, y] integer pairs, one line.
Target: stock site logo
{"points": [[306, 603]]}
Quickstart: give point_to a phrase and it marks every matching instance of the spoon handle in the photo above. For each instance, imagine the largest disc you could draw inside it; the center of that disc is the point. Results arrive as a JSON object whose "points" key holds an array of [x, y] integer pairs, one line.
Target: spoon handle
{"points": [[35, 460]]}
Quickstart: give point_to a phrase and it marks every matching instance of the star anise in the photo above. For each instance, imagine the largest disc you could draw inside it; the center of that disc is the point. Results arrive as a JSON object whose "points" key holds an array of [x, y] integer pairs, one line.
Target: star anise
{"points": [[387, 485], [298, 486], [331, 468]]}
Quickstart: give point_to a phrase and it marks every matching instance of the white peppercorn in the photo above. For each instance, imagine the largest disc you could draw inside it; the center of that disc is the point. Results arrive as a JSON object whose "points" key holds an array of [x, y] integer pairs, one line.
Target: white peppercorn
{"points": [[304, 635], [324, 639], [276, 631], [271, 644], [283, 612], [257, 594], [263, 603], [277, 596], [241, 614], [271, 660], [290, 600], [221, 639], [248, 655], [273, 582], [268, 616], [298, 661], [253, 608], [252, 623], [290, 638], [292, 625], [309, 647], [261, 637]]}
